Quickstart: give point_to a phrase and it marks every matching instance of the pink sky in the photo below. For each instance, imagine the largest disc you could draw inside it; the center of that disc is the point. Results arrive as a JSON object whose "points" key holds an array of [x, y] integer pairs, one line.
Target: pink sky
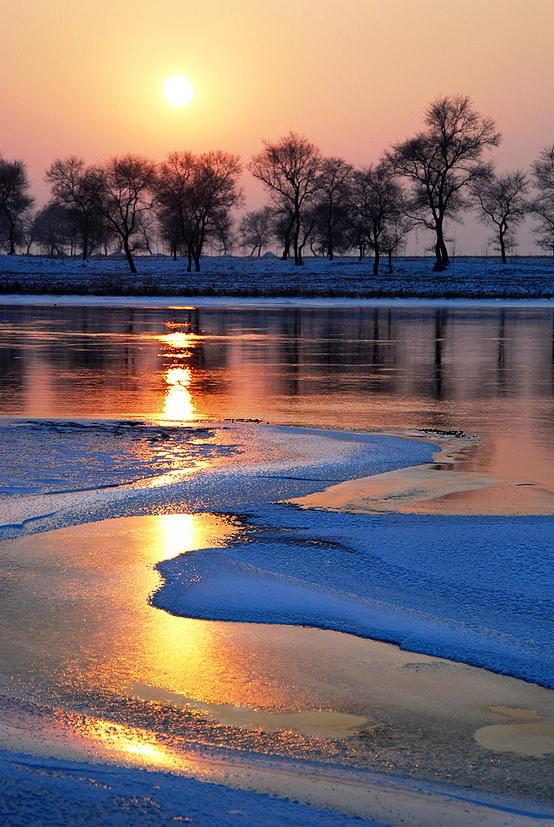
{"points": [[86, 77]]}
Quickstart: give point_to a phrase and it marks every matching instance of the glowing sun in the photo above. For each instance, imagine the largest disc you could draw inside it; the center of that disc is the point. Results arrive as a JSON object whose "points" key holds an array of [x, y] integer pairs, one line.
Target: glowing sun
{"points": [[178, 90]]}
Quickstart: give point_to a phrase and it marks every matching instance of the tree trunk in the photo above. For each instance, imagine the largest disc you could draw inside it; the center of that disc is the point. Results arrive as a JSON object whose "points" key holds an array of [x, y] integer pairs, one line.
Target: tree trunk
{"points": [[12, 238], [376, 259], [296, 243], [390, 261], [441, 253], [330, 249], [129, 256], [85, 241], [502, 245]]}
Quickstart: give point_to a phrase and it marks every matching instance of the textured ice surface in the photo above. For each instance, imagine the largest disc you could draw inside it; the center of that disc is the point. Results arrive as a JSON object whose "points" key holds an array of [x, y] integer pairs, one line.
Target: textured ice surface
{"points": [[52, 792], [43, 457], [473, 589], [63, 473]]}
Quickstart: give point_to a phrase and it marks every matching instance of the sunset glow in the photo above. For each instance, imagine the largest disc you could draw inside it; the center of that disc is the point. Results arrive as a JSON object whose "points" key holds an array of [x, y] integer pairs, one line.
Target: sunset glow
{"points": [[250, 82]]}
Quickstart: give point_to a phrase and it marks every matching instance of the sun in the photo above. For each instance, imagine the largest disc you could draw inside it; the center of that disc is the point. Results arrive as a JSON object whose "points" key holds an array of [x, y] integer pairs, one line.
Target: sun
{"points": [[178, 90]]}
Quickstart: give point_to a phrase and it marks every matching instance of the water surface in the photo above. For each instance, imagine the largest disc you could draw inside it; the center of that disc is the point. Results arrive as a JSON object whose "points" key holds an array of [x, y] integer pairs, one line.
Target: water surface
{"points": [[483, 370]]}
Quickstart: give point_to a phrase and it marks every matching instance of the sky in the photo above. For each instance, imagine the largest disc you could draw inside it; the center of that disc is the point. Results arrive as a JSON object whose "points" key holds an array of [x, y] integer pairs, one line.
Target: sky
{"points": [[354, 76]]}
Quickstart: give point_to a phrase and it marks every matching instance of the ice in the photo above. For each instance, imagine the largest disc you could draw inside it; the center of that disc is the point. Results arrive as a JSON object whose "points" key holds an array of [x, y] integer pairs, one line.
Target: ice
{"points": [[52, 792], [473, 589], [65, 473]]}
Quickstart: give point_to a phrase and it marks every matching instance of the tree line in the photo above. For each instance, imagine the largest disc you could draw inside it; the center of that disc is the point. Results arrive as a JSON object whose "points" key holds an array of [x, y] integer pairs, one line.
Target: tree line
{"points": [[323, 203]]}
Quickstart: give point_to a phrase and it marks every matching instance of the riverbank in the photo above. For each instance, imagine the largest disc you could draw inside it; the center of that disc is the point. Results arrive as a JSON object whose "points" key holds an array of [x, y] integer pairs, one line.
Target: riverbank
{"points": [[468, 277]]}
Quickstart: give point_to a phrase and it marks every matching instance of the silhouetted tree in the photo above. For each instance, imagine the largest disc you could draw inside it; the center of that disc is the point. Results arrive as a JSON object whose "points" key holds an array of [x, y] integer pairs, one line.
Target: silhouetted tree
{"points": [[76, 186], [330, 210], [542, 205], [125, 187], [395, 234], [282, 229], [194, 195], [502, 203], [15, 201], [222, 232], [289, 170], [53, 228], [442, 161], [256, 230], [377, 204]]}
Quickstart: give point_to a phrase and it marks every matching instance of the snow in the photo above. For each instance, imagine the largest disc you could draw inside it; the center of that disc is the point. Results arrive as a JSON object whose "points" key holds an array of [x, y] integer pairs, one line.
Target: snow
{"points": [[76, 456], [475, 590], [475, 277], [252, 464], [49, 791], [420, 581]]}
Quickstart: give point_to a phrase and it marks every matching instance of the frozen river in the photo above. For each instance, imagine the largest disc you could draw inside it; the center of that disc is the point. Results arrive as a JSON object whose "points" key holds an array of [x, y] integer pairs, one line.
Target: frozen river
{"points": [[101, 483]]}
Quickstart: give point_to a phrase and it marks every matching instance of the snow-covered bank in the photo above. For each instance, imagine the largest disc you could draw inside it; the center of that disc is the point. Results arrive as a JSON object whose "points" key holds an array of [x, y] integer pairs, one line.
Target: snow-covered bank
{"points": [[468, 277]]}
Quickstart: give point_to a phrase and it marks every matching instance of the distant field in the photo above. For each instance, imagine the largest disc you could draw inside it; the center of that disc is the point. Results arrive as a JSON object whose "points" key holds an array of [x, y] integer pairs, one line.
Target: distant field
{"points": [[469, 277]]}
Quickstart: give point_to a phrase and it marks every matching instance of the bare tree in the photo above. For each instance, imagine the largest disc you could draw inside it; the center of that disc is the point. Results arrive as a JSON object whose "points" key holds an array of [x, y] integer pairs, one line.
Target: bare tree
{"points": [[124, 191], [194, 195], [331, 207], [442, 161], [394, 237], [76, 186], [377, 205], [502, 202], [53, 228], [543, 205], [222, 232], [15, 200], [289, 170], [282, 229], [256, 230]]}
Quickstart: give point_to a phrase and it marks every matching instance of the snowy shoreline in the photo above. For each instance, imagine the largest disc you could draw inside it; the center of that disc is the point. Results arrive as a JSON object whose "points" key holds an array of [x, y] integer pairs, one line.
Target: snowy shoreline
{"points": [[229, 302], [240, 277]]}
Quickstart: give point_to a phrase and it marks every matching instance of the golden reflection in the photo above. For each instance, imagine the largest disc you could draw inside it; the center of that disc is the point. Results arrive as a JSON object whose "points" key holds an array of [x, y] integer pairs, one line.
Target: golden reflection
{"points": [[179, 340], [178, 402], [180, 533], [178, 347], [129, 744]]}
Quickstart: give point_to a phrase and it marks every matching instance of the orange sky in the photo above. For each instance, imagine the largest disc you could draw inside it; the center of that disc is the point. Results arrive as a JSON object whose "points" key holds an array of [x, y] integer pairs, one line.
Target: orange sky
{"points": [[353, 75]]}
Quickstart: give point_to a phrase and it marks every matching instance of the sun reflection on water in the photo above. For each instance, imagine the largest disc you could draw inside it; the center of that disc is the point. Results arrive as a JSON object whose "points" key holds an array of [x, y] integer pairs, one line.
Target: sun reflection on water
{"points": [[178, 403], [178, 348]]}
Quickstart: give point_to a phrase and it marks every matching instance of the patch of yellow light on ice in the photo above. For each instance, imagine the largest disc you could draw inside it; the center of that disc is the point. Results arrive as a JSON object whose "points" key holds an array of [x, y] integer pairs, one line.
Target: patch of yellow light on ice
{"points": [[180, 533], [130, 744]]}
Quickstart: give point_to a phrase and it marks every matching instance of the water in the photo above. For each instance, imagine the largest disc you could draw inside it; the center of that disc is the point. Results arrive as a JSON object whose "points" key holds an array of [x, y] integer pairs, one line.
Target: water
{"points": [[487, 371], [78, 633]]}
